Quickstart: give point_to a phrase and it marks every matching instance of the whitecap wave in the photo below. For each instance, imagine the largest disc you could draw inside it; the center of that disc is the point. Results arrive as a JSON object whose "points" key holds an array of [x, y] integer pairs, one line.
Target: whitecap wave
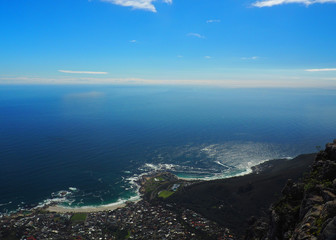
{"points": [[220, 160], [51, 201], [5, 204], [221, 164], [151, 167], [57, 198], [61, 194]]}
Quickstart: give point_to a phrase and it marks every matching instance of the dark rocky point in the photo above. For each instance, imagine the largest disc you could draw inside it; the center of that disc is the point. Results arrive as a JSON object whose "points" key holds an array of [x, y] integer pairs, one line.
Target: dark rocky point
{"points": [[306, 209]]}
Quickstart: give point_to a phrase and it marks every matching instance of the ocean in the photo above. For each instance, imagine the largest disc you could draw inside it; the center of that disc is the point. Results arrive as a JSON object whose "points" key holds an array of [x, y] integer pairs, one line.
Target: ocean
{"points": [[87, 145]]}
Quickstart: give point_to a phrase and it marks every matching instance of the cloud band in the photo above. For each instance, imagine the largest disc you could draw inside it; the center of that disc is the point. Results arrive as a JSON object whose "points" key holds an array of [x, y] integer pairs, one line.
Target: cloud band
{"points": [[81, 72], [271, 3], [137, 4], [321, 70]]}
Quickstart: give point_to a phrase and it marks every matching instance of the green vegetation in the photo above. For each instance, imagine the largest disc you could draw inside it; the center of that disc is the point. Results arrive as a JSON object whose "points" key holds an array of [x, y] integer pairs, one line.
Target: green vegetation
{"points": [[27, 213], [78, 217], [284, 208], [11, 236], [319, 223], [151, 184], [121, 234], [312, 180], [165, 194], [128, 234], [310, 184]]}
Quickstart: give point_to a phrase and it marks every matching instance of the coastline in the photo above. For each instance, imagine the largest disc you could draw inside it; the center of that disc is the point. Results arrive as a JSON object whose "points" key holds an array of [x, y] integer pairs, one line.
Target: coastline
{"points": [[212, 178], [139, 181], [228, 202], [58, 208], [250, 169], [89, 209], [256, 187]]}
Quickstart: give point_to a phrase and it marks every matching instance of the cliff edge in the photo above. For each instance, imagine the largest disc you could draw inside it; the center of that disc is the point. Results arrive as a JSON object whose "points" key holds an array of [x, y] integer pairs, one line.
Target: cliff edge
{"points": [[306, 209]]}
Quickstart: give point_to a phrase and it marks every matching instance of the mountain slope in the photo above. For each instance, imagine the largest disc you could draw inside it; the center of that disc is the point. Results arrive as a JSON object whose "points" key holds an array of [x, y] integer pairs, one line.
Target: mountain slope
{"points": [[231, 202]]}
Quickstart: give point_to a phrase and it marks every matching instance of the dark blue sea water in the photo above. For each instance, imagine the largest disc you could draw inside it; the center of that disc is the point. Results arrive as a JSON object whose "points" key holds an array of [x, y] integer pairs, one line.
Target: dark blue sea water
{"points": [[92, 142]]}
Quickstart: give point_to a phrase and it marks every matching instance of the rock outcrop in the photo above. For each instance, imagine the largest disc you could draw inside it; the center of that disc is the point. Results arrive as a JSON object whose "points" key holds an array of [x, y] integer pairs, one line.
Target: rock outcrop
{"points": [[307, 208]]}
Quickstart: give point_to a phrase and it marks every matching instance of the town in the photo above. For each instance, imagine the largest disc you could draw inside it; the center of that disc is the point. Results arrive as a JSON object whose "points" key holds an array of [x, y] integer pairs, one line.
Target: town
{"points": [[144, 219], [139, 220]]}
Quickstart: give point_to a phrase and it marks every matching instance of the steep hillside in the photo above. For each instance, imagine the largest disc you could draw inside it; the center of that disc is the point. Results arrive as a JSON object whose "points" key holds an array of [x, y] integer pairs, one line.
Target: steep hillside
{"points": [[231, 202], [307, 208]]}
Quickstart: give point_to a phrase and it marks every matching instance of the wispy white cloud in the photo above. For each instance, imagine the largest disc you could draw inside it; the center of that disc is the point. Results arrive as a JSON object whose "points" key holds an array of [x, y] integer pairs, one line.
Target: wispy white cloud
{"points": [[81, 72], [213, 21], [321, 70], [133, 41], [207, 57], [92, 94], [271, 3], [179, 56], [67, 80], [250, 58], [195, 35], [138, 4]]}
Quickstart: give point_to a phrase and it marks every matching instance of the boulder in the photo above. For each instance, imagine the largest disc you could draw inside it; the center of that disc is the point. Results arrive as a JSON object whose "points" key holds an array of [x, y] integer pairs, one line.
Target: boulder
{"points": [[308, 202], [293, 190], [331, 151], [329, 232], [328, 196], [329, 210], [329, 171]]}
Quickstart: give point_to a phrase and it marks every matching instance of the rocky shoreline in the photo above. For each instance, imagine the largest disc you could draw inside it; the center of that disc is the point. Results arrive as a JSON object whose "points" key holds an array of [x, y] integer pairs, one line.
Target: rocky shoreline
{"points": [[198, 209]]}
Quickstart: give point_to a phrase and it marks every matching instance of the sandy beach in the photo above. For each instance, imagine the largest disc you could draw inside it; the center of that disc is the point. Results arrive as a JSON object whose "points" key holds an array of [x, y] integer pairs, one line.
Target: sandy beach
{"points": [[61, 209]]}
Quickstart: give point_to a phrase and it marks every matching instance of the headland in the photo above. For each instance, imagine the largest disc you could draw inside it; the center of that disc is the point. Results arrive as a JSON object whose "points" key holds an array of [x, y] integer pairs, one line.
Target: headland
{"points": [[176, 208]]}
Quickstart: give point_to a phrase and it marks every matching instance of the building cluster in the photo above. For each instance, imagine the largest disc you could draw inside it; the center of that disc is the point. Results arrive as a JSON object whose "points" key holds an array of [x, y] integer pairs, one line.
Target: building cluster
{"points": [[141, 220], [35, 225], [198, 222]]}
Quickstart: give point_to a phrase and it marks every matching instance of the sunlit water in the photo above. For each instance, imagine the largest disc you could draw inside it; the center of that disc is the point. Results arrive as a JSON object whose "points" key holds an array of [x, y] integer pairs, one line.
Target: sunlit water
{"points": [[87, 145]]}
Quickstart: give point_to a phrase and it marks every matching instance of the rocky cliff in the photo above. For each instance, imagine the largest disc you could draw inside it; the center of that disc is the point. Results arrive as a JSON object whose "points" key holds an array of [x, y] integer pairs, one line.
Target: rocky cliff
{"points": [[307, 208]]}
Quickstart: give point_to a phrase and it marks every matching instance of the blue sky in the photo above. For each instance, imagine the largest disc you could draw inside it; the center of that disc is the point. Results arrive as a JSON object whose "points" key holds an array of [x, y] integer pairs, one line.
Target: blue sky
{"points": [[234, 43]]}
